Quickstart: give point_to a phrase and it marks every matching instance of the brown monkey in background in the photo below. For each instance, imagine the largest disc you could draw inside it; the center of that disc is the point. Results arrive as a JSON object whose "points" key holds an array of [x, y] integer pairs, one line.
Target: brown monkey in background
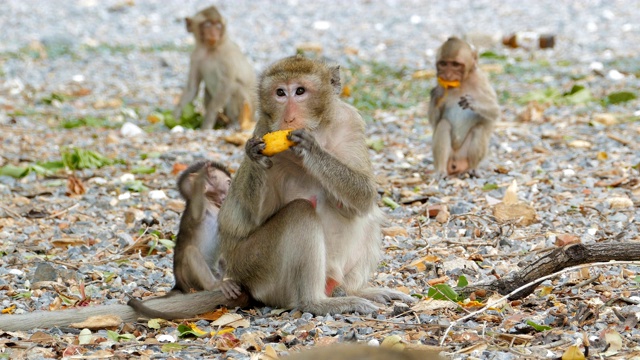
{"points": [[304, 221], [462, 110], [196, 265], [228, 76], [364, 352]]}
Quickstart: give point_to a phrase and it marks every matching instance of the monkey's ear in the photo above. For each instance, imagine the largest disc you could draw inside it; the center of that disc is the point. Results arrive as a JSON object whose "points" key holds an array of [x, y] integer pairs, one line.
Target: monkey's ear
{"points": [[188, 21], [335, 79]]}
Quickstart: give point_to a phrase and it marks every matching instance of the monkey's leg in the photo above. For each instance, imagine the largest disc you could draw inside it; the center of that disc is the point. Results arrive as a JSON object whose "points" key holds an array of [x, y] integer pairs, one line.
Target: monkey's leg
{"points": [[473, 149], [234, 107], [217, 103], [442, 146], [197, 274], [284, 263]]}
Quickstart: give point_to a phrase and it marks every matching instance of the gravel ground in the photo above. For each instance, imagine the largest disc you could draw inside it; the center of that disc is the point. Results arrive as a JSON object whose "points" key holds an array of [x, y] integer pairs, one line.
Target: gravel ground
{"points": [[576, 165]]}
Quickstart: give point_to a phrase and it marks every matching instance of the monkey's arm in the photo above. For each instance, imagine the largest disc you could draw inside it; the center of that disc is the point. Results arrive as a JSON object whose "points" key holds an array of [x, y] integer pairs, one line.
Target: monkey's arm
{"points": [[352, 186], [197, 203], [193, 85], [435, 112]]}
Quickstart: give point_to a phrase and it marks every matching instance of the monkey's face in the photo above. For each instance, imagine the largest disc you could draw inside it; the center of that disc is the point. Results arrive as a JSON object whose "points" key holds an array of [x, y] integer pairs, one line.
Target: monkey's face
{"points": [[217, 186], [450, 70], [211, 32]]}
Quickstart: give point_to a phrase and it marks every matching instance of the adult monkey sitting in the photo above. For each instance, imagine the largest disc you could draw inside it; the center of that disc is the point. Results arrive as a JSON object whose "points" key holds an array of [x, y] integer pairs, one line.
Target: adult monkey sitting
{"points": [[298, 224]]}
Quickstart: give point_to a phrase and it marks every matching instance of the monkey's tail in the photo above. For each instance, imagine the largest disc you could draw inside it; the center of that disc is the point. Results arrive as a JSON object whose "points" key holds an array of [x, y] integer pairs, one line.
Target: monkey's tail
{"points": [[184, 305], [181, 306]]}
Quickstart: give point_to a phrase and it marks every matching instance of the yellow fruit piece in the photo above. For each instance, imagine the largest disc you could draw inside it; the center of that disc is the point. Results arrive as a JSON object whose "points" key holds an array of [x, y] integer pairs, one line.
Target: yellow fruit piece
{"points": [[448, 84], [276, 142]]}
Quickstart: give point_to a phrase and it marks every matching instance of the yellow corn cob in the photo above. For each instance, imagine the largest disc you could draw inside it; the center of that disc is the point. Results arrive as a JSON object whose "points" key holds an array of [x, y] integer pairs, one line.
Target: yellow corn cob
{"points": [[276, 142], [448, 84]]}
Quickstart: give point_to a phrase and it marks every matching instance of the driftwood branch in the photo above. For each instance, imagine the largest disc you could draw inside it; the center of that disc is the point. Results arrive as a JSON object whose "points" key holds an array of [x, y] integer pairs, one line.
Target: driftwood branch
{"points": [[561, 258]]}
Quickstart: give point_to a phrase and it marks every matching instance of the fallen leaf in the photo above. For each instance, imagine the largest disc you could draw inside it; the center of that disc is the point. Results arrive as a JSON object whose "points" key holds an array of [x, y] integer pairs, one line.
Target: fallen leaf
{"points": [[178, 168], [602, 156], [394, 231], [68, 241], [420, 263], [10, 310], [424, 74], [226, 342], [213, 315], [533, 112], [75, 186], [511, 195], [270, 352], [233, 320], [605, 119], [620, 202], [434, 210], [99, 322], [443, 215], [238, 139], [392, 342], [566, 239], [523, 214], [614, 340], [42, 338]]}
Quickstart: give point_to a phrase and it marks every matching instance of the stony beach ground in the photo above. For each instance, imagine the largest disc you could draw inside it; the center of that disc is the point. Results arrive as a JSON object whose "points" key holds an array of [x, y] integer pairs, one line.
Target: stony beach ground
{"points": [[73, 73]]}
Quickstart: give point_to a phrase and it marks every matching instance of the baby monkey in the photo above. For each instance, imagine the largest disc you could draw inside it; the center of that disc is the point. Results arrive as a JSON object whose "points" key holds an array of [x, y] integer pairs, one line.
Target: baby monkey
{"points": [[196, 264]]}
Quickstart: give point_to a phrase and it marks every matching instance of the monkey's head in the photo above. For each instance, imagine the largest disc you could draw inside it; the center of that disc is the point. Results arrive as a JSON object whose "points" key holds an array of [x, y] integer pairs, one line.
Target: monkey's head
{"points": [[455, 60], [215, 187], [207, 26], [298, 93]]}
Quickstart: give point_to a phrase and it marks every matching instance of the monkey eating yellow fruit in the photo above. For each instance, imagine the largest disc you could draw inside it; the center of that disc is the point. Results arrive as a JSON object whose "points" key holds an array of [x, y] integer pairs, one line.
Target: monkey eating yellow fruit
{"points": [[448, 84], [276, 142]]}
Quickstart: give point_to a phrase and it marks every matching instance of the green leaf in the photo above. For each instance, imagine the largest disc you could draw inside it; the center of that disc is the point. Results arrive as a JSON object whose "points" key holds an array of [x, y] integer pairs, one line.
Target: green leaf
{"points": [[492, 55], [169, 244], [112, 335], [442, 292], [637, 279], [376, 145], [75, 158], [541, 96], [135, 186], [186, 330], [462, 281], [14, 171], [172, 347], [538, 327], [143, 170], [151, 155], [154, 324], [52, 165], [620, 97], [489, 187], [390, 203], [53, 97], [578, 95]]}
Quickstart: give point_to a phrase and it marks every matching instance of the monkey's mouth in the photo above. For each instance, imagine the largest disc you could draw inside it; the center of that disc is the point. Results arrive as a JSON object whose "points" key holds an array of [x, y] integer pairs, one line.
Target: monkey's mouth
{"points": [[448, 84]]}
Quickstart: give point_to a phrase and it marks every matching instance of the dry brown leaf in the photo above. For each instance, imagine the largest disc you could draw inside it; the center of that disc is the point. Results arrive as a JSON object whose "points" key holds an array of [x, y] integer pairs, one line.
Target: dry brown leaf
{"points": [[233, 320], [434, 210], [523, 214], [75, 186], [42, 338], [511, 195], [440, 280], [620, 202], [394, 231], [238, 139], [213, 315], [580, 144], [110, 103], [443, 215], [533, 112], [154, 118], [605, 119], [178, 168], [99, 322], [68, 241], [566, 239]]}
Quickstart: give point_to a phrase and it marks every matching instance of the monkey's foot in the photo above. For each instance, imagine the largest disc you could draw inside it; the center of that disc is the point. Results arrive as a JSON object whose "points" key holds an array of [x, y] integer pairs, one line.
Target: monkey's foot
{"points": [[384, 295], [340, 305]]}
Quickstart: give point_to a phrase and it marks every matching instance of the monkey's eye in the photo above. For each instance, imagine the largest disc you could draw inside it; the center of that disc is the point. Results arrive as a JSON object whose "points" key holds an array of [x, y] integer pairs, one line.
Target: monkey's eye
{"points": [[280, 92], [300, 91]]}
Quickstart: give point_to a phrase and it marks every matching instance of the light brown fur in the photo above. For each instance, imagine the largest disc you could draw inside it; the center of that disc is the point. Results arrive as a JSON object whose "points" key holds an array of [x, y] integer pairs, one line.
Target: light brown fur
{"points": [[228, 76], [278, 244], [196, 262], [462, 117]]}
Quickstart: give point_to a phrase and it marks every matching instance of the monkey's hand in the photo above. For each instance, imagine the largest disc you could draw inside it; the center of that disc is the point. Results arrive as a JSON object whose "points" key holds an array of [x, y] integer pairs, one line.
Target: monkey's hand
{"points": [[465, 102], [305, 142], [230, 289], [254, 149]]}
